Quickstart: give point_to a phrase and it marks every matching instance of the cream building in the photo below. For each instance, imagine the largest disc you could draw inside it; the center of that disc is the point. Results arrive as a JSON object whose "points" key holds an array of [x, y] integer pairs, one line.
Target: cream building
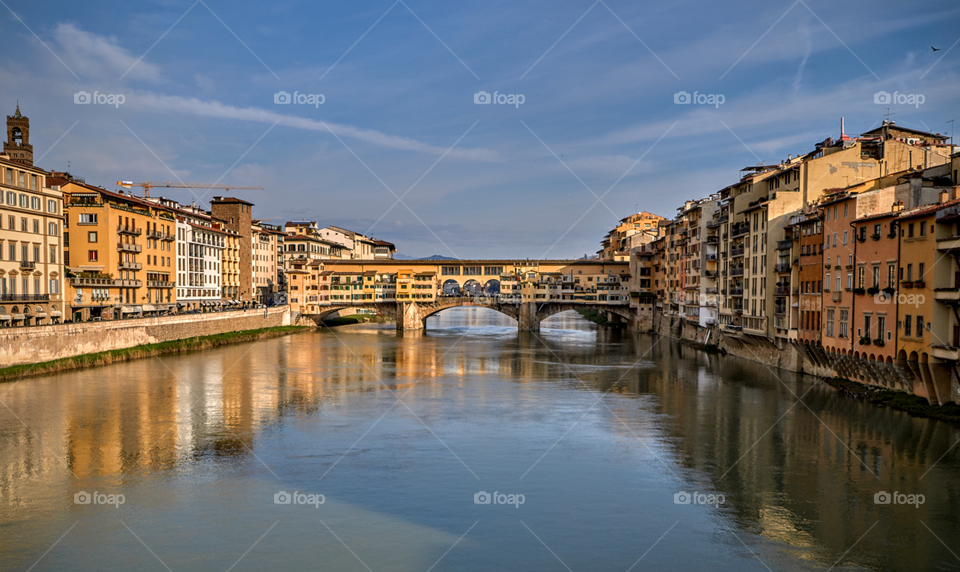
{"points": [[31, 228]]}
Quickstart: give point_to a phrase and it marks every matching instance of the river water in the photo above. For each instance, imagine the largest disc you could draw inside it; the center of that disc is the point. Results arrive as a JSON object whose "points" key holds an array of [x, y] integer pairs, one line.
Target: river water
{"points": [[183, 459]]}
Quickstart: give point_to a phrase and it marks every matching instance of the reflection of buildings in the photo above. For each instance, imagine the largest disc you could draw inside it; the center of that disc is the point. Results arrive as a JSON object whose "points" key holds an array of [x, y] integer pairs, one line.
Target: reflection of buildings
{"points": [[795, 479]]}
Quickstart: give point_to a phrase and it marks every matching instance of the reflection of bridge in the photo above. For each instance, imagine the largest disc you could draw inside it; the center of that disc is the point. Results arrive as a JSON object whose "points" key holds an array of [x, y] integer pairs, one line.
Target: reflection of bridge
{"points": [[410, 291]]}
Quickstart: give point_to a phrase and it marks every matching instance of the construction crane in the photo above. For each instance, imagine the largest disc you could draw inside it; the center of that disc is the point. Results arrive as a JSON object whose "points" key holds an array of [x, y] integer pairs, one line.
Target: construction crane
{"points": [[151, 184]]}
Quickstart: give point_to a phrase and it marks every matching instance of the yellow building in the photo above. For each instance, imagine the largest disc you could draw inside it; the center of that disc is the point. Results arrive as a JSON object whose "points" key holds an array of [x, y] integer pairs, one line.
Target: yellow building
{"points": [[31, 250], [230, 266], [630, 232], [119, 253]]}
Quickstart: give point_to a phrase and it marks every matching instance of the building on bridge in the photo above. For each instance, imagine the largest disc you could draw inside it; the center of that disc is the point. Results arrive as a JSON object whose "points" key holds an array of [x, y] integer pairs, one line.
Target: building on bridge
{"points": [[629, 233], [426, 287]]}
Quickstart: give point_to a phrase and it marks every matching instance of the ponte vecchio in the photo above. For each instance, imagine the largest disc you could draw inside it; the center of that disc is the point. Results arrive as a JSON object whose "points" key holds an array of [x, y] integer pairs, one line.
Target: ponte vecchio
{"points": [[410, 291]]}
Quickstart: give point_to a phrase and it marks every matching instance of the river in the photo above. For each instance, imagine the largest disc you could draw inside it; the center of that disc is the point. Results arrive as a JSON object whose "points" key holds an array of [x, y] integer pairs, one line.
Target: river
{"points": [[466, 447]]}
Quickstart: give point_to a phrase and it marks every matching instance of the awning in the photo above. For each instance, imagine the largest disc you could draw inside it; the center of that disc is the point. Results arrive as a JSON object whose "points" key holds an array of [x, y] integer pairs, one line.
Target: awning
{"points": [[55, 314], [130, 309], [19, 317], [5, 318], [149, 308], [40, 315]]}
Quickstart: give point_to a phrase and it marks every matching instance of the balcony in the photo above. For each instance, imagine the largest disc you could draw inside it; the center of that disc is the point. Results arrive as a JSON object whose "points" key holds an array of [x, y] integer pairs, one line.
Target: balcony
{"points": [[946, 352], [154, 234], [26, 265], [781, 291], [24, 297], [836, 296], [947, 295], [736, 271], [130, 266], [737, 252], [713, 240], [123, 229], [784, 244], [711, 290], [159, 284], [949, 244], [736, 291], [127, 247], [740, 231], [783, 267]]}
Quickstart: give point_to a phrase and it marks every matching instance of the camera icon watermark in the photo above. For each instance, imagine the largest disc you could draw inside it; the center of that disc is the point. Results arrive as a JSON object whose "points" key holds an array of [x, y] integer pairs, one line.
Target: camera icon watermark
{"points": [[514, 99], [683, 497], [296, 497], [685, 98], [314, 99], [884, 98], [483, 497], [889, 297], [883, 497], [97, 98], [83, 497]]}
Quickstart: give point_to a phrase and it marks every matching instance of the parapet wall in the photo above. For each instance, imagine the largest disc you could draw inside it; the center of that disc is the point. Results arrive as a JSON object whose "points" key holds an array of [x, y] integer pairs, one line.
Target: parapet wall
{"points": [[44, 343]]}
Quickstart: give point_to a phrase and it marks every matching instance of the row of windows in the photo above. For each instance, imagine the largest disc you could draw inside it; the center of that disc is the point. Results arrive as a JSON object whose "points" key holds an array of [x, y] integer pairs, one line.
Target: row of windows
{"points": [[21, 179], [53, 228], [25, 250], [10, 285]]}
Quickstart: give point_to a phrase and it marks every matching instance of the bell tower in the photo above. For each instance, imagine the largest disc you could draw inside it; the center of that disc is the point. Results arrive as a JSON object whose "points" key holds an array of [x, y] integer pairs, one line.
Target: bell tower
{"points": [[18, 144]]}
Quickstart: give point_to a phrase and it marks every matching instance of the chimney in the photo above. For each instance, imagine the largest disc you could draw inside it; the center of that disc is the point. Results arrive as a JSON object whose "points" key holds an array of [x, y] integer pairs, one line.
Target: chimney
{"points": [[897, 206], [944, 196], [841, 128]]}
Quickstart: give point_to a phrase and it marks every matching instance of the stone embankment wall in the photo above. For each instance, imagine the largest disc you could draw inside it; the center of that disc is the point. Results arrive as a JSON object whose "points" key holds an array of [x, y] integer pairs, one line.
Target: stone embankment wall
{"points": [[931, 381], [45, 343]]}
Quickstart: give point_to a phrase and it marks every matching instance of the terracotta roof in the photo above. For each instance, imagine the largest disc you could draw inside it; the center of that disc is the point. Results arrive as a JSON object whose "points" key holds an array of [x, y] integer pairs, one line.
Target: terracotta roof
{"points": [[220, 200], [927, 210], [878, 216]]}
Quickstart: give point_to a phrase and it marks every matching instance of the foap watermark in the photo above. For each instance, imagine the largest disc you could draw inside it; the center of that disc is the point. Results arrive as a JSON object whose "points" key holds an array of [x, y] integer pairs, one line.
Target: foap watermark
{"points": [[883, 497], [483, 497], [83, 497], [97, 98], [683, 497], [684, 98], [884, 98], [887, 297], [514, 99], [314, 99], [296, 497]]}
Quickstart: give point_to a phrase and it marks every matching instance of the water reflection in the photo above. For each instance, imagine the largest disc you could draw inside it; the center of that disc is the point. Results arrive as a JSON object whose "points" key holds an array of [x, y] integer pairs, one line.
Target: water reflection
{"points": [[599, 428]]}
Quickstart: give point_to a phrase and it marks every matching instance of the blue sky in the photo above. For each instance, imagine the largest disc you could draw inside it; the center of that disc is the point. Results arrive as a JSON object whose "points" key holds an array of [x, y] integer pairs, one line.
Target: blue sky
{"points": [[399, 120]]}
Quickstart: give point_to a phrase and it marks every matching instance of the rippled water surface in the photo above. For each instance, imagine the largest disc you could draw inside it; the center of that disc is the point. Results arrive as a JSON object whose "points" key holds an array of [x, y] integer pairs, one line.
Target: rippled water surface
{"points": [[599, 431]]}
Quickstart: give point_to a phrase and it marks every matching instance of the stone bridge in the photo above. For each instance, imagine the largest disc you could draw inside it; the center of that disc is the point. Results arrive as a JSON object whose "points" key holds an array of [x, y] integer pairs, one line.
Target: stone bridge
{"points": [[412, 315]]}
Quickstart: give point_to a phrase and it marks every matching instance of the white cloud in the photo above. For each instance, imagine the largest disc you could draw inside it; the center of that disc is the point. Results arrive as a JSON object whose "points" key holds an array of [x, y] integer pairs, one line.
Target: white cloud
{"points": [[94, 56], [220, 110]]}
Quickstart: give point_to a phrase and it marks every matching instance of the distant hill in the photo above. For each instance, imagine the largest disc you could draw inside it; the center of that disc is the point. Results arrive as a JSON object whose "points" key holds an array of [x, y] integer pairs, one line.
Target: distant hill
{"points": [[399, 256]]}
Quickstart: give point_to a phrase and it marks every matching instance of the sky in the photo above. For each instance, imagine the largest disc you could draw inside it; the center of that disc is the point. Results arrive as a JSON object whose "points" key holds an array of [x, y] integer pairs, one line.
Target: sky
{"points": [[386, 136]]}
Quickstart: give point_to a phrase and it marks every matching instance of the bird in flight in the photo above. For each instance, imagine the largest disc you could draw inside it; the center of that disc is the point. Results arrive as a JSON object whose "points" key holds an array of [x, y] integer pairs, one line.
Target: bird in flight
{"points": [[934, 49]]}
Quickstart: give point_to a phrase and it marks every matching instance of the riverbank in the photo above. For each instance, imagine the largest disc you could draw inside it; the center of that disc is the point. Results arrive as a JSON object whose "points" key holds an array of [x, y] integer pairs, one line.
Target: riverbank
{"points": [[912, 404], [146, 350]]}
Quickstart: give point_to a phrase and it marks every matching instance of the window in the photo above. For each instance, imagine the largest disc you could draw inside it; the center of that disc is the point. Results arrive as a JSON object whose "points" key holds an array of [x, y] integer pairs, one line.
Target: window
{"points": [[53, 255], [52, 206], [891, 275], [910, 230], [88, 218], [867, 326], [920, 270], [35, 203], [92, 236], [92, 256], [861, 277], [907, 321], [830, 316], [52, 228], [844, 316], [876, 275], [36, 226], [923, 228], [919, 326], [846, 210]]}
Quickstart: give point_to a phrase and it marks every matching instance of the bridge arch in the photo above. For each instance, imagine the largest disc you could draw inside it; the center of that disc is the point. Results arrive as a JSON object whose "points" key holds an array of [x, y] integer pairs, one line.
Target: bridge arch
{"points": [[509, 311], [451, 287], [472, 288]]}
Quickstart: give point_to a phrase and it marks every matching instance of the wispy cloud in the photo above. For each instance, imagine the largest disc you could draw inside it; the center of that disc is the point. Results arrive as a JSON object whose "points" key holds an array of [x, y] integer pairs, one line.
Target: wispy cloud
{"points": [[94, 56]]}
